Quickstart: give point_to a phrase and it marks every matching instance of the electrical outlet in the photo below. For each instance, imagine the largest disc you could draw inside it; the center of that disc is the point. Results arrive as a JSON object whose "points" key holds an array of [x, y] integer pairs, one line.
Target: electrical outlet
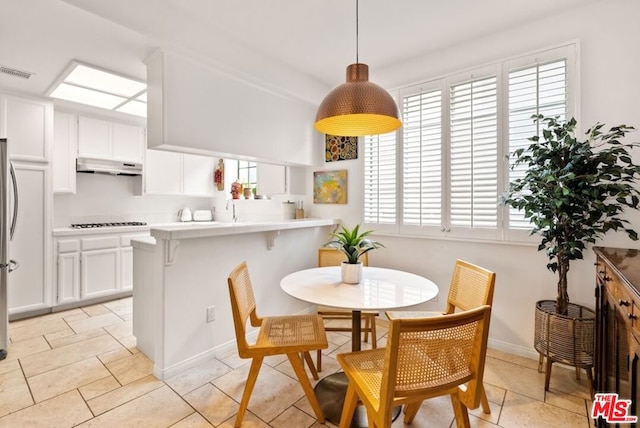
{"points": [[211, 314]]}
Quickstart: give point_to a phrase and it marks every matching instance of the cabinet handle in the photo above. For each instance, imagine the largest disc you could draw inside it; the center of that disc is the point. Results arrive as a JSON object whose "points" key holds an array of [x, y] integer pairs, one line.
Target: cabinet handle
{"points": [[602, 272], [632, 316], [623, 302]]}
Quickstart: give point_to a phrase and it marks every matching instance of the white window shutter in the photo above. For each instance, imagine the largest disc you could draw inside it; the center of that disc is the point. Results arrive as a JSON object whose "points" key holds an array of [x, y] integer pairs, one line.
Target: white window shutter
{"points": [[380, 179]]}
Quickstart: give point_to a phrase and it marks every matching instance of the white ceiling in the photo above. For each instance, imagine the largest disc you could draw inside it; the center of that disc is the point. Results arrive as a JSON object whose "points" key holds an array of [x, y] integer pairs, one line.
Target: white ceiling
{"points": [[311, 41]]}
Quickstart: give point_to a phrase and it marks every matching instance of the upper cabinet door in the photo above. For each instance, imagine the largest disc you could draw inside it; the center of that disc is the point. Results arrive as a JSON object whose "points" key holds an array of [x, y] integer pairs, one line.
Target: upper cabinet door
{"points": [[128, 142], [65, 148], [28, 124], [198, 175], [94, 138]]}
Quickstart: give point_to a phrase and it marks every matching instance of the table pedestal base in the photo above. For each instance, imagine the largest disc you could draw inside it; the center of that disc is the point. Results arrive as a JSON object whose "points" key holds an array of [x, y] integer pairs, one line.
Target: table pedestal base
{"points": [[331, 392]]}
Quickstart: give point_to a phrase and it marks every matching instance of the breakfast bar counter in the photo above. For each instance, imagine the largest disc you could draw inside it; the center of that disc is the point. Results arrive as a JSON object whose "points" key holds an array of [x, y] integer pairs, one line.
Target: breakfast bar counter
{"points": [[181, 310]]}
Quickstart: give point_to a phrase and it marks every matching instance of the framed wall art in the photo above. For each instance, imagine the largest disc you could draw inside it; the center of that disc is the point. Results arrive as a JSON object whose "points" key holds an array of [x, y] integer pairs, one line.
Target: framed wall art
{"points": [[340, 148], [330, 187]]}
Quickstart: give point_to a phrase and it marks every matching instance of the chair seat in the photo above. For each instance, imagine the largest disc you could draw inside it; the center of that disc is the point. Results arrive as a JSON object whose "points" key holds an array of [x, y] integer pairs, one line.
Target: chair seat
{"points": [[299, 332]]}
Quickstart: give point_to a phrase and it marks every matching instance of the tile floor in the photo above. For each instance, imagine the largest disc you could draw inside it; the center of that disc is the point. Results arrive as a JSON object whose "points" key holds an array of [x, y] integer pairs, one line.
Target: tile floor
{"points": [[81, 368]]}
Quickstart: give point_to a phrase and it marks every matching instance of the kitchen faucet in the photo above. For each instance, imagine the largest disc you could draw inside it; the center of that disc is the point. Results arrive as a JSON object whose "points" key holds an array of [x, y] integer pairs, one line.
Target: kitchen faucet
{"points": [[233, 205]]}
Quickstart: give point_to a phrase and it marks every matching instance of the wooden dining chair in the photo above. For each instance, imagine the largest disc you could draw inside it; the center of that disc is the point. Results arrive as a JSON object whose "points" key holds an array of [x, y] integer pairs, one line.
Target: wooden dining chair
{"points": [[335, 257], [291, 335], [424, 358], [471, 287]]}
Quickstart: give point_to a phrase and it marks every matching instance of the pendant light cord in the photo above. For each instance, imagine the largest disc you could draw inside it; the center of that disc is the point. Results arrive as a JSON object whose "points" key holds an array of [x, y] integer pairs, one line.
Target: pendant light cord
{"points": [[357, 61]]}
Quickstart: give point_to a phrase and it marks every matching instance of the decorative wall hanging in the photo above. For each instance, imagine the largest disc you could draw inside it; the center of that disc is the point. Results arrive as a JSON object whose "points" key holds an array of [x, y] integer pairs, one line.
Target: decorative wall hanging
{"points": [[330, 187], [340, 148]]}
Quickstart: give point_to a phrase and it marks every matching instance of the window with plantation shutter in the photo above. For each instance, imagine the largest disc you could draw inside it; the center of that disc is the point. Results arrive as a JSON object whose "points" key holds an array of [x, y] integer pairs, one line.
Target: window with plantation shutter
{"points": [[422, 158], [473, 153], [450, 154], [540, 88], [380, 179]]}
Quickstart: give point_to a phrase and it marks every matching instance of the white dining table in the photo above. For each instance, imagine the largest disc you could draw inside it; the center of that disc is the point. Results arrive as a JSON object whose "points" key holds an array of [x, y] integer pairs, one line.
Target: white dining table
{"points": [[380, 288]]}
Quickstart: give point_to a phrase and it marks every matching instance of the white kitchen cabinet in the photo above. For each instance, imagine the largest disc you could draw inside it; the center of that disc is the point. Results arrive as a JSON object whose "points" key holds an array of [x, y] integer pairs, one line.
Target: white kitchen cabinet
{"points": [[197, 172], [271, 179], [105, 139], [163, 173], [30, 284], [93, 265], [171, 173], [68, 270], [65, 149], [28, 124], [99, 272]]}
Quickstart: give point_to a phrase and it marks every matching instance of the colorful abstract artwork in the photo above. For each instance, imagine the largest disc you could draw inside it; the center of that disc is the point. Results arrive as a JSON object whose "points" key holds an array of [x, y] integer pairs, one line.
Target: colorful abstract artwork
{"points": [[330, 187], [340, 148]]}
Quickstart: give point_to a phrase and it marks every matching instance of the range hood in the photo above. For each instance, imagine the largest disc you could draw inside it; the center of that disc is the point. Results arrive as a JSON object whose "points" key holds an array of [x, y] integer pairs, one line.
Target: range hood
{"points": [[106, 166]]}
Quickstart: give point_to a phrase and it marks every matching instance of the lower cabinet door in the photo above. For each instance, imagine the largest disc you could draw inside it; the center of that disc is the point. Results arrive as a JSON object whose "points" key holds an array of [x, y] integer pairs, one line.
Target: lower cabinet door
{"points": [[100, 272], [68, 279], [126, 268]]}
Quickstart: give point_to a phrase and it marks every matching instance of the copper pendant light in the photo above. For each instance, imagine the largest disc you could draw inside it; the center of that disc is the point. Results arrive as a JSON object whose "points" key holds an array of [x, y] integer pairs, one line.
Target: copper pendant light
{"points": [[357, 107]]}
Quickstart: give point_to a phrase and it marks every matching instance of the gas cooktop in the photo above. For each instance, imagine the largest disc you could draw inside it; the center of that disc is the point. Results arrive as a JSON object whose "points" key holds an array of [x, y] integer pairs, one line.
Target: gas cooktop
{"points": [[112, 224]]}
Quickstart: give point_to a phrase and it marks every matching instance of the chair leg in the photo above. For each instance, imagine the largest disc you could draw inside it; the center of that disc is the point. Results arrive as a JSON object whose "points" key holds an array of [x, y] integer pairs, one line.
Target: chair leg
{"points": [[296, 363], [483, 400], [540, 362], [590, 380], [410, 411], [312, 368], [256, 363], [319, 360], [460, 412], [349, 407]]}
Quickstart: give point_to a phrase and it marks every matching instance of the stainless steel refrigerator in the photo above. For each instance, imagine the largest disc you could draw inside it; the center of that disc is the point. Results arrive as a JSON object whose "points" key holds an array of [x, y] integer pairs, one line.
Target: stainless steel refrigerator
{"points": [[8, 219]]}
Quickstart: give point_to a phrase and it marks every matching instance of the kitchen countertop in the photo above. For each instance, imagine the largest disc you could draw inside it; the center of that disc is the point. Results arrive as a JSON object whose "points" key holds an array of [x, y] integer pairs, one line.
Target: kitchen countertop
{"points": [[70, 231], [201, 230]]}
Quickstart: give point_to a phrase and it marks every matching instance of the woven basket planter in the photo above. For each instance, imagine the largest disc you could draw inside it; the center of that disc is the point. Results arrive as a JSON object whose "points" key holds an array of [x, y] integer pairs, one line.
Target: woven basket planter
{"points": [[567, 339]]}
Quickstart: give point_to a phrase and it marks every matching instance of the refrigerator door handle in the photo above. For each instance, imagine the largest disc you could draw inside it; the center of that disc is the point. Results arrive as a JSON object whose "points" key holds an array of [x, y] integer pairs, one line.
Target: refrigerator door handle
{"points": [[14, 221], [13, 265]]}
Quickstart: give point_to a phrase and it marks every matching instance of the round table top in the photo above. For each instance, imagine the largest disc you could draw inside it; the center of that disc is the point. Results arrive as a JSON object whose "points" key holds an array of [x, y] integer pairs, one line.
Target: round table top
{"points": [[380, 288]]}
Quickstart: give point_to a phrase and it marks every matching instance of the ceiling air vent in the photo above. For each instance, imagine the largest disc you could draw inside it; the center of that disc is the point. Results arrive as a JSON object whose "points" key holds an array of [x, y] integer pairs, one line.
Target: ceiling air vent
{"points": [[14, 72]]}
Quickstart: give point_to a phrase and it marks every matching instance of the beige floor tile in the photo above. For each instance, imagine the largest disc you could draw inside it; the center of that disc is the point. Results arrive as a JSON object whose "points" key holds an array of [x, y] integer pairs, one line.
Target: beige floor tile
{"points": [[121, 306], [195, 420], [250, 421], [491, 417], [124, 394], [292, 417], [129, 342], [566, 401], [7, 365], [66, 410], [234, 361], [14, 392], [131, 368], [515, 359], [197, 376], [158, 409], [76, 317], [515, 378], [494, 393], [19, 332], [273, 394], [120, 330], [114, 355], [520, 411], [48, 317], [69, 336], [63, 379], [436, 412], [564, 379], [26, 347], [95, 310], [64, 355], [274, 360], [94, 322], [99, 387], [329, 365], [212, 403]]}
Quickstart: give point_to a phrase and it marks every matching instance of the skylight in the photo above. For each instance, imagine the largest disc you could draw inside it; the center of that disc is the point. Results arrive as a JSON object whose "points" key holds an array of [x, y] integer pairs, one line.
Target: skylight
{"points": [[89, 85]]}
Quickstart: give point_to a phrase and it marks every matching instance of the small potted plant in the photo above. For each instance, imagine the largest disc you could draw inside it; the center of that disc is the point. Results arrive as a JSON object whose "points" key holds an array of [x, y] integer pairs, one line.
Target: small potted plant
{"points": [[353, 244], [573, 192]]}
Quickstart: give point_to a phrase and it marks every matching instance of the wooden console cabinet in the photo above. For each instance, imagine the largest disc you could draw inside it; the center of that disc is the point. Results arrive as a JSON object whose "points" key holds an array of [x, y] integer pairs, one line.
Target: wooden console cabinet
{"points": [[617, 352]]}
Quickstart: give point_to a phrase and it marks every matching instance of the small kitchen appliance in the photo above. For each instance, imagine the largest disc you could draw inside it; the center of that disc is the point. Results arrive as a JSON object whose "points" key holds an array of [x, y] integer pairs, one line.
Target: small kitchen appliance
{"points": [[185, 214]]}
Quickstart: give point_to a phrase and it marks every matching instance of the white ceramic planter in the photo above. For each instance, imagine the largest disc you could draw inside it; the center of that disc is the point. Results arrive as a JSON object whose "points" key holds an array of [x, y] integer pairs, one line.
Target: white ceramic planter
{"points": [[351, 273]]}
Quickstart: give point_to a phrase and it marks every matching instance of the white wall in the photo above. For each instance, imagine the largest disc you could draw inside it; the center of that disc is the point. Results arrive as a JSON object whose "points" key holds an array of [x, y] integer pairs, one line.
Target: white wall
{"points": [[609, 92]]}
